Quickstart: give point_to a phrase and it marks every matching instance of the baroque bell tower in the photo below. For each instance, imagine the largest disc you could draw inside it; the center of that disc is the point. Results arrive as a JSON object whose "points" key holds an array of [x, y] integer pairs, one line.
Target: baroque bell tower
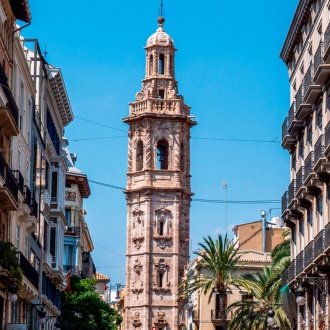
{"points": [[158, 192]]}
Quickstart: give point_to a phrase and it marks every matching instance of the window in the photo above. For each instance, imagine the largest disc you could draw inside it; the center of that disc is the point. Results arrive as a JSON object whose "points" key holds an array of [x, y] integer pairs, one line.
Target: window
{"points": [[161, 63], [54, 186], [310, 136], [151, 65], [52, 241], [294, 236], [246, 296], [161, 94], [301, 227], [47, 176], [319, 120], [294, 160], [301, 148], [319, 205], [310, 216], [22, 105], [160, 280], [17, 237], [171, 65], [68, 216], [162, 154], [139, 156], [161, 228], [26, 246]]}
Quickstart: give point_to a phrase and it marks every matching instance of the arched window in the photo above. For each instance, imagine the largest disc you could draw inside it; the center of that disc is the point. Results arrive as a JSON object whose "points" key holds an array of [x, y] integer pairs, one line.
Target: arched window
{"points": [[162, 155], [182, 158], [139, 156], [171, 66], [160, 280], [151, 65], [161, 64]]}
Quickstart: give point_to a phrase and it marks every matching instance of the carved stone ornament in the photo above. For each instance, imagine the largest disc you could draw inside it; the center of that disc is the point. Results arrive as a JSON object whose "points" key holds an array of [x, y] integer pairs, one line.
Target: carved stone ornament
{"points": [[137, 267], [139, 96], [138, 214], [163, 127], [163, 241], [161, 319], [138, 241], [136, 321]]}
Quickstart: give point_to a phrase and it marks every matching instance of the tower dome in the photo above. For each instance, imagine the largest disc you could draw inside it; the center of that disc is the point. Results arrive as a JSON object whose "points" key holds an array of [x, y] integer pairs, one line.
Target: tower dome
{"points": [[160, 37]]}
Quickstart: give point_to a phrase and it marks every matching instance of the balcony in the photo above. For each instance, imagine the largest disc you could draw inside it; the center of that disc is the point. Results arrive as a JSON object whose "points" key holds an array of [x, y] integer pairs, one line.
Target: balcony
{"points": [[284, 277], [72, 231], [311, 93], [292, 271], [326, 50], [9, 192], [319, 148], [309, 165], [295, 125], [195, 316], [327, 237], [300, 178], [309, 254], [319, 244], [34, 208], [28, 270], [20, 180], [27, 195], [288, 140], [322, 71], [327, 140], [2, 166], [300, 262], [285, 202], [8, 122], [292, 191]]}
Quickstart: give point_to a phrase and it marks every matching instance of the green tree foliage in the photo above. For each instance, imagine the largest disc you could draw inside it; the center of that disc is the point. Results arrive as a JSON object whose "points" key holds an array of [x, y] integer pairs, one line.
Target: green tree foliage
{"points": [[265, 289], [9, 261], [83, 309], [219, 259], [252, 314]]}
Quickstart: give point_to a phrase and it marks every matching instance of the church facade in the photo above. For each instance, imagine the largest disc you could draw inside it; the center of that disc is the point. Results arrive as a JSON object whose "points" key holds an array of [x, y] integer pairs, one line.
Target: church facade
{"points": [[158, 192]]}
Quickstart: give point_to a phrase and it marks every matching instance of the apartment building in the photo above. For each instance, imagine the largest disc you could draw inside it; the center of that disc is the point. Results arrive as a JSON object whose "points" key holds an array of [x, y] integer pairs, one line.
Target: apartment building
{"points": [[254, 241], [306, 136], [77, 239]]}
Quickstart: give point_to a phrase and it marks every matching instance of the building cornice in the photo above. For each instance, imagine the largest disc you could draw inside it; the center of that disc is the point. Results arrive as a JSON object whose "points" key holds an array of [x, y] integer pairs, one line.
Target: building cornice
{"points": [[301, 16]]}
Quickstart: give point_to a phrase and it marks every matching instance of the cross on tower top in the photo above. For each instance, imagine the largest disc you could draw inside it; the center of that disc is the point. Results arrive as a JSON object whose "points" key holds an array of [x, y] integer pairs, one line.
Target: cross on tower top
{"points": [[161, 9]]}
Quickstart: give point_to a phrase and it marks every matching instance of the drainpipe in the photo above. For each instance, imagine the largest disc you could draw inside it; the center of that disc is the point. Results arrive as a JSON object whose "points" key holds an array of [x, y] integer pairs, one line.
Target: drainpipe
{"points": [[263, 219]]}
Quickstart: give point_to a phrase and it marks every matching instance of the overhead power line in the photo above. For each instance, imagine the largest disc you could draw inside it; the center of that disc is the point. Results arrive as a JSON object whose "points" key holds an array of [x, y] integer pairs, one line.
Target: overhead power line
{"points": [[203, 200], [193, 138], [109, 249]]}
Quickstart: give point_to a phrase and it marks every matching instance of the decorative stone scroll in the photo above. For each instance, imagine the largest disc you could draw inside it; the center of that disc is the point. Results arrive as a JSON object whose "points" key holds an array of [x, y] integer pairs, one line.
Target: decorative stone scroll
{"points": [[163, 241]]}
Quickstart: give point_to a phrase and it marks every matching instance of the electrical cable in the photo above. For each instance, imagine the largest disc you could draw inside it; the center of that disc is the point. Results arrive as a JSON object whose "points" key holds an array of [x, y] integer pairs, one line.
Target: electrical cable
{"points": [[96, 123], [109, 249], [203, 200]]}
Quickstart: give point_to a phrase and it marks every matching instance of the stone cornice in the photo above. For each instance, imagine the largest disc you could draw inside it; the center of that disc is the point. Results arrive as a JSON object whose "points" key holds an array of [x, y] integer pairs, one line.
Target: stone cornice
{"points": [[300, 18]]}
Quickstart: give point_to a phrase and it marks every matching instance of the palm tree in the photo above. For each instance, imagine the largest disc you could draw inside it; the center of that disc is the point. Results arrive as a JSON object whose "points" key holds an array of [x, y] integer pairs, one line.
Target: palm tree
{"points": [[280, 257], [219, 259], [252, 314]]}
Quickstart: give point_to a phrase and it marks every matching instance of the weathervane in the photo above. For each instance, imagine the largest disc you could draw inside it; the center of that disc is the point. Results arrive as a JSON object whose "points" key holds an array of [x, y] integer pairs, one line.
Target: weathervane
{"points": [[161, 9]]}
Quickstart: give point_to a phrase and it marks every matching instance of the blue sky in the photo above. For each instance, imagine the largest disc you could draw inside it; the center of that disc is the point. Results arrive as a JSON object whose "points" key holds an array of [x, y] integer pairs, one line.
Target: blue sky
{"points": [[229, 72]]}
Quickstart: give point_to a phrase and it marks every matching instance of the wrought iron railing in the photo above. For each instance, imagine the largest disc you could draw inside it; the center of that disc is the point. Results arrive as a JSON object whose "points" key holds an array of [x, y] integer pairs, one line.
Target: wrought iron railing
{"points": [[292, 112], [215, 314], [309, 253], [308, 78], [2, 166], [11, 104], [327, 37], [319, 243], [284, 277], [292, 190], [319, 148], [292, 270], [299, 96], [27, 195], [318, 56], [11, 182], [300, 178], [327, 135], [285, 203], [309, 164], [28, 270], [300, 262], [285, 127], [20, 180], [34, 208], [327, 236]]}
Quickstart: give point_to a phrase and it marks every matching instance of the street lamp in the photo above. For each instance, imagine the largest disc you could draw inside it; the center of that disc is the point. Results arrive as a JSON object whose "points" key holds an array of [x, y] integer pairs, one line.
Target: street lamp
{"points": [[12, 289], [270, 319], [300, 294]]}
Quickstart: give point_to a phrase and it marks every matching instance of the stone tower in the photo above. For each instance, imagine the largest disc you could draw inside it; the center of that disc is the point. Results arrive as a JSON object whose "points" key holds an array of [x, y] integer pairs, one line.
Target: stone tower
{"points": [[158, 192]]}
